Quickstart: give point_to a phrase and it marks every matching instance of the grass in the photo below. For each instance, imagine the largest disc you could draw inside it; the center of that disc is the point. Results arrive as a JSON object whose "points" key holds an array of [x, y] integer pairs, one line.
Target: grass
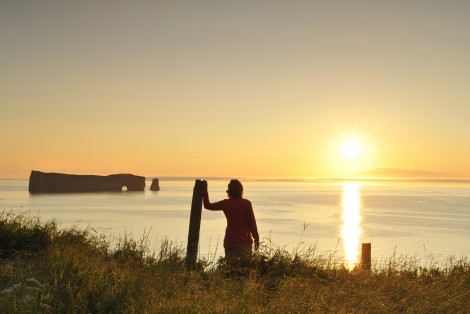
{"points": [[45, 269]]}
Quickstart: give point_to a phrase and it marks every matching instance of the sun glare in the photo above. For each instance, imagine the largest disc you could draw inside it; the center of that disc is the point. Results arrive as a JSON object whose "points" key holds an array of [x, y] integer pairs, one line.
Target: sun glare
{"points": [[351, 150], [351, 217], [350, 154]]}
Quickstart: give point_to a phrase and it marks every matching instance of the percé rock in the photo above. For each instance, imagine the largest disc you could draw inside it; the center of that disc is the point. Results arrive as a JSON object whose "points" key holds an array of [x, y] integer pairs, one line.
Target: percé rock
{"points": [[42, 182], [155, 185]]}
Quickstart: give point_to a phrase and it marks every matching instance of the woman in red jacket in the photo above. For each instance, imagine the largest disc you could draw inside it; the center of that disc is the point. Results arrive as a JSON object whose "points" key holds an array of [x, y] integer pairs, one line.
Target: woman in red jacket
{"points": [[241, 223]]}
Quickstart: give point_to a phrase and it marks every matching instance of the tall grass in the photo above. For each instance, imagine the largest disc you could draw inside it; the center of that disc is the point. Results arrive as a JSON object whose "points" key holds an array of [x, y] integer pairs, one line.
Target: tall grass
{"points": [[45, 269]]}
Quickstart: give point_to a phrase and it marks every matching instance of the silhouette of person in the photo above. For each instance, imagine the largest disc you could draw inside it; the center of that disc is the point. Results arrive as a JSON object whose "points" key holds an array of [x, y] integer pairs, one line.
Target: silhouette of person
{"points": [[241, 223]]}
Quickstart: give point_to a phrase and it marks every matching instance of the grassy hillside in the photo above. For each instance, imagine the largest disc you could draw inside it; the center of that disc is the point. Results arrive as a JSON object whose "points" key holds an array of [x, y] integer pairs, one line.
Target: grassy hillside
{"points": [[47, 269]]}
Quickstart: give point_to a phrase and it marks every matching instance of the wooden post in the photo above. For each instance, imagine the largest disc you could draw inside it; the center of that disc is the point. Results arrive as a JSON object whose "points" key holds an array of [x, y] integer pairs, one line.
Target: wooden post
{"points": [[366, 256], [195, 223]]}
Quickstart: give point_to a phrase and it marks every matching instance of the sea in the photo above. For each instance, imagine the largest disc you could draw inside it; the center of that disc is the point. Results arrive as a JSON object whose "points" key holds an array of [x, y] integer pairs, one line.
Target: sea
{"points": [[426, 220]]}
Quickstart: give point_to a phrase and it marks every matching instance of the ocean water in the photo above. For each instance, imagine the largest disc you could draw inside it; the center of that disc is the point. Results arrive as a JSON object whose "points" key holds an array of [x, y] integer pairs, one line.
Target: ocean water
{"points": [[429, 221]]}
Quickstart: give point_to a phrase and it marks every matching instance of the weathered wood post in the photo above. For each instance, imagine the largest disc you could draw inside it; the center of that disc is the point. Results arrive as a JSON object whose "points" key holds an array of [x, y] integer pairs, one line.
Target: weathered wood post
{"points": [[366, 256], [200, 186]]}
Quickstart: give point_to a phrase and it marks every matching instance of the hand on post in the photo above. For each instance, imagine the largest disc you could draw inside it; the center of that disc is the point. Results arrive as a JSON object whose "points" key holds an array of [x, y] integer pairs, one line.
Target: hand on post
{"points": [[204, 188]]}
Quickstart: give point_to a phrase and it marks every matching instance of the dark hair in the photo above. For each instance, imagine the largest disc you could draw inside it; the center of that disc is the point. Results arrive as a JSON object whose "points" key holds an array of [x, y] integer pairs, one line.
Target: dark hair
{"points": [[235, 189]]}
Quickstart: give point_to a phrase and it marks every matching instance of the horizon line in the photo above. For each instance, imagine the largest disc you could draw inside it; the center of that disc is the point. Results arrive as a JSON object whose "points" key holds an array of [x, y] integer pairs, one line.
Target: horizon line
{"points": [[295, 178]]}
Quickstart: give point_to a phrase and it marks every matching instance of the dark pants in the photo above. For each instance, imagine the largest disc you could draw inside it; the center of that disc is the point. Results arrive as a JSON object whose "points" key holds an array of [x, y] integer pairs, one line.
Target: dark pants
{"points": [[236, 253]]}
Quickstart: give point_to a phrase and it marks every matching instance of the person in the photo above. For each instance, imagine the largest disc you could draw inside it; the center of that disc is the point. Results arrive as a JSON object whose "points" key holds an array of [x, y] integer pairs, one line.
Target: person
{"points": [[241, 228]]}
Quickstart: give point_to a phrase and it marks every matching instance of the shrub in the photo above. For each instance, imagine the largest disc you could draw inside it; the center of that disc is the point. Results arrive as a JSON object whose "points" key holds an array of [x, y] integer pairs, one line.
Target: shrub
{"points": [[23, 234]]}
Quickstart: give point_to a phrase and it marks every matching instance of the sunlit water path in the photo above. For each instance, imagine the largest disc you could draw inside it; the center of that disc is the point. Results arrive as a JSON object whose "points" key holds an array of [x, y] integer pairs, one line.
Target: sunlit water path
{"points": [[351, 220], [428, 221]]}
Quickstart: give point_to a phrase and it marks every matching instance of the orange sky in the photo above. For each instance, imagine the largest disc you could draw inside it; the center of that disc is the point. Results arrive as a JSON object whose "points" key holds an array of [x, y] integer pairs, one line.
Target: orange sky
{"points": [[234, 88]]}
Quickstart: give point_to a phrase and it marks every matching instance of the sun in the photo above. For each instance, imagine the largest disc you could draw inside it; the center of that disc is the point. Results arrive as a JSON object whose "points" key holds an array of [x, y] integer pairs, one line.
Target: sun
{"points": [[350, 154], [351, 149]]}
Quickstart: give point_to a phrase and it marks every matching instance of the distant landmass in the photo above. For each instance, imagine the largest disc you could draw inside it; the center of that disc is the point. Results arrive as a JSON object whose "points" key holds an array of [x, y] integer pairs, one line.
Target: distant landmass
{"points": [[406, 173], [42, 182]]}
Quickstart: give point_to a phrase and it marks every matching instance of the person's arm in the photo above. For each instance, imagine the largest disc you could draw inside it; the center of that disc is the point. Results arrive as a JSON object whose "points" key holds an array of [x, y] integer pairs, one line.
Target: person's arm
{"points": [[252, 225], [211, 206]]}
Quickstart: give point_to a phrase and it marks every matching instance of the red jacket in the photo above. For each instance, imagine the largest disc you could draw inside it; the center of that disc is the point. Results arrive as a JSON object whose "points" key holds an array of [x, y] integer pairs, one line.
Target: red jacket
{"points": [[241, 222]]}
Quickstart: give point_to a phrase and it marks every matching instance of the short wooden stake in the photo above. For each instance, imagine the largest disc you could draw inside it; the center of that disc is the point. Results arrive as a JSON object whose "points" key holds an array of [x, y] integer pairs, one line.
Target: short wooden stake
{"points": [[366, 256], [195, 223]]}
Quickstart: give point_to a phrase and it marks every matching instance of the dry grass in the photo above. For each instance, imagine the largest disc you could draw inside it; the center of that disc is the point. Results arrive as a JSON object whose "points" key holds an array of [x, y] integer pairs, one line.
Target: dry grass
{"points": [[44, 269]]}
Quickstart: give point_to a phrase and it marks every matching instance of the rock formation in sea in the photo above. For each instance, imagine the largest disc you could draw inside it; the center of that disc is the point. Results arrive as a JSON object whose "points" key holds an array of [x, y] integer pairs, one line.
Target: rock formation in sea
{"points": [[42, 182], [155, 185]]}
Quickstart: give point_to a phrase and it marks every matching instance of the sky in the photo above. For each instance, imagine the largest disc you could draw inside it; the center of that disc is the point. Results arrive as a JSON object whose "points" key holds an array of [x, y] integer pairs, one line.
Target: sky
{"points": [[235, 88]]}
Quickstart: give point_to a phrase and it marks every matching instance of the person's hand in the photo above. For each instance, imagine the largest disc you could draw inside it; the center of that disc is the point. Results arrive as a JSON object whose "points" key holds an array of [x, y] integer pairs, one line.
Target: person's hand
{"points": [[204, 188]]}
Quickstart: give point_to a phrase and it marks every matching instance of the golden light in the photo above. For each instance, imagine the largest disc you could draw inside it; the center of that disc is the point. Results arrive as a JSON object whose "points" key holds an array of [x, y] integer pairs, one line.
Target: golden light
{"points": [[351, 218], [351, 149], [350, 154]]}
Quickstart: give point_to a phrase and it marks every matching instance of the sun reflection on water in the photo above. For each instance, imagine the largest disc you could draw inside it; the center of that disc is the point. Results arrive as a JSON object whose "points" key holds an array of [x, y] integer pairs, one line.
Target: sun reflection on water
{"points": [[351, 218]]}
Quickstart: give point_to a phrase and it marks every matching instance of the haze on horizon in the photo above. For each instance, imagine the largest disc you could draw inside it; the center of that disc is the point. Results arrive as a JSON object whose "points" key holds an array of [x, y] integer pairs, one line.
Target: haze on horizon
{"points": [[235, 88]]}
